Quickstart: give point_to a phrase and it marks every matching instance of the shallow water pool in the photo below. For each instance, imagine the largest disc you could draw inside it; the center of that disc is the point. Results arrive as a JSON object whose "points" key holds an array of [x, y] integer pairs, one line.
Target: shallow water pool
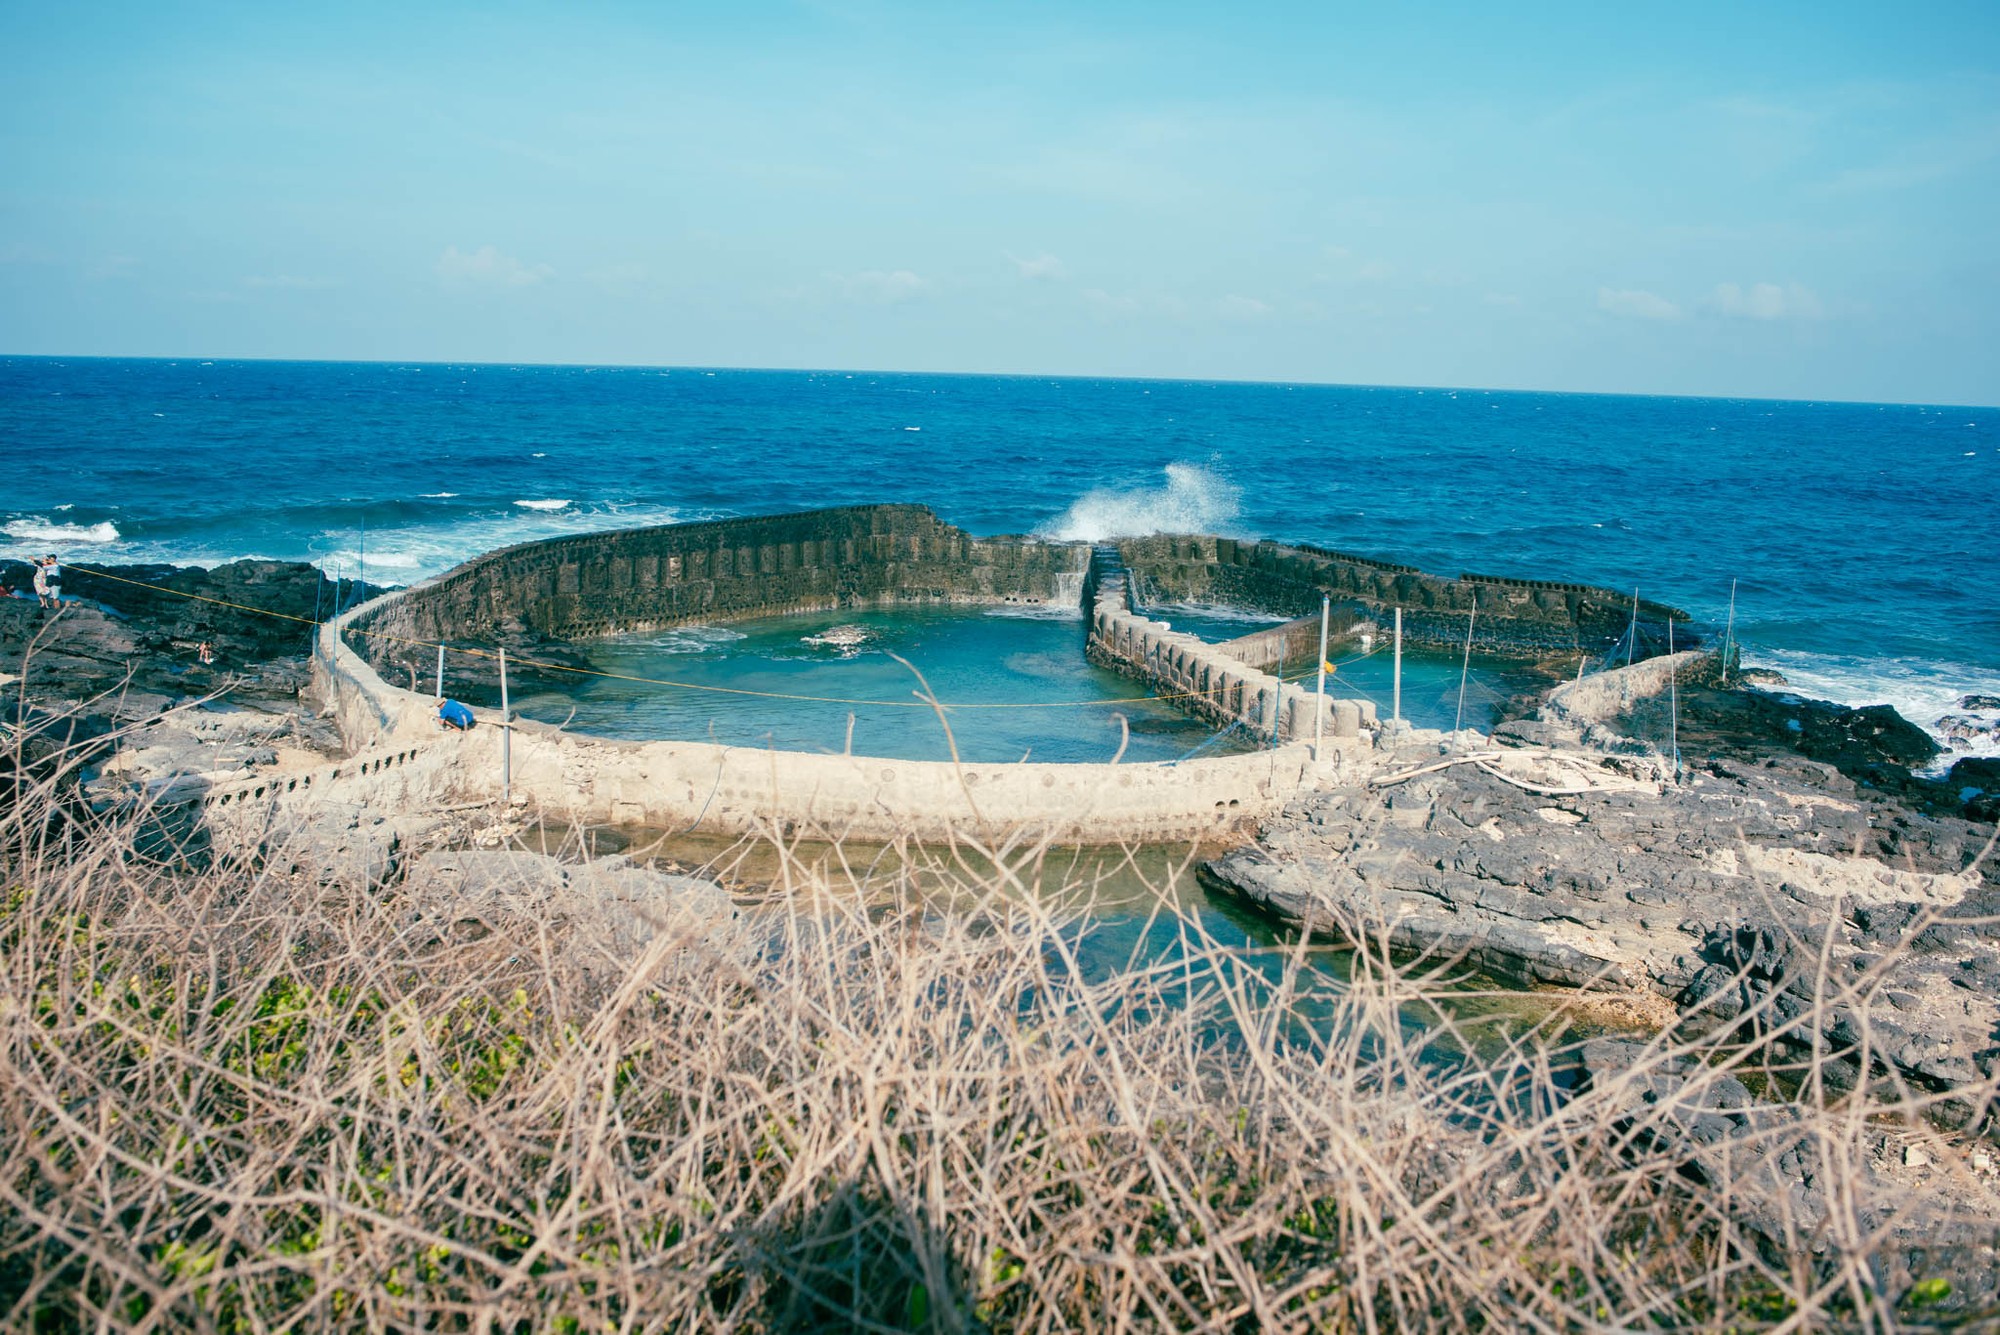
{"points": [[1013, 682]]}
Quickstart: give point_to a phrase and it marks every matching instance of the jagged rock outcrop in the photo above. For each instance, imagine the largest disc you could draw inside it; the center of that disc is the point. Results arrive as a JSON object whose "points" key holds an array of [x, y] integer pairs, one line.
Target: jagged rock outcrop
{"points": [[133, 631], [1924, 1216], [1744, 891]]}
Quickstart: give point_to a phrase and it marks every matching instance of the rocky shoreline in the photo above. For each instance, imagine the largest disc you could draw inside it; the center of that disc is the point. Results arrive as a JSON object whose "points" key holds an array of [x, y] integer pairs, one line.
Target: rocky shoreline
{"points": [[1799, 837], [1795, 883]]}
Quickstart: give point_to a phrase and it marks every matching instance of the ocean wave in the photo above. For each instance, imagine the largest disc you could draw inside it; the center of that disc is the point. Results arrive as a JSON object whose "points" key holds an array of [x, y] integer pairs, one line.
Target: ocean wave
{"points": [[438, 495], [1194, 500], [418, 551], [1926, 693], [551, 504], [37, 528], [423, 541]]}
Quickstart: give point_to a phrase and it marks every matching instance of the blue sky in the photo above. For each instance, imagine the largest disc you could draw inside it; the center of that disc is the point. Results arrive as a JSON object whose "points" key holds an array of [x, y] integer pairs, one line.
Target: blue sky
{"points": [[1784, 200]]}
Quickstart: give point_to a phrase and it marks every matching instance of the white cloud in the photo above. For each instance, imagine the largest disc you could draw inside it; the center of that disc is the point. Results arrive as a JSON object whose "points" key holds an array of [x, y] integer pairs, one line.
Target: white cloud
{"points": [[487, 265], [1233, 307], [881, 286], [1765, 301], [293, 281], [1636, 304], [1044, 266], [1107, 306]]}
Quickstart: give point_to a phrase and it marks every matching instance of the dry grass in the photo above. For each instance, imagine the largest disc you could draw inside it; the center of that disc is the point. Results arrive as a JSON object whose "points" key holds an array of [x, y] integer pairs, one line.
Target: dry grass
{"points": [[238, 1101]]}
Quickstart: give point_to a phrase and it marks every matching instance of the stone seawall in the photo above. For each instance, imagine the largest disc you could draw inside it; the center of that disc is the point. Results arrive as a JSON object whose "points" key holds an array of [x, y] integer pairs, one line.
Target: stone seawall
{"points": [[1209, 680], [693, 785], [640, 579], [1516, 617]]}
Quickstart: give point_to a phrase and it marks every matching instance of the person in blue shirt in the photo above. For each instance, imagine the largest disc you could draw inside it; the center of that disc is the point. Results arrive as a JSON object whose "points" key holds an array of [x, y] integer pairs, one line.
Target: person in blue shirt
{"points": [[452, 714]]}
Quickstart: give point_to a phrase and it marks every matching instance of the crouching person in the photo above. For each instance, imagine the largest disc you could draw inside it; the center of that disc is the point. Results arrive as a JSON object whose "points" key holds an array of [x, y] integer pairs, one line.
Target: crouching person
{"points": [[453, 715]]}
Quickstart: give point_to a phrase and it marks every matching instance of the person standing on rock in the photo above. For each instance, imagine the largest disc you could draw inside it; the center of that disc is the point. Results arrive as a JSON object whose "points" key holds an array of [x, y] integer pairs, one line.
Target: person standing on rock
{"points": [[48, 583]]}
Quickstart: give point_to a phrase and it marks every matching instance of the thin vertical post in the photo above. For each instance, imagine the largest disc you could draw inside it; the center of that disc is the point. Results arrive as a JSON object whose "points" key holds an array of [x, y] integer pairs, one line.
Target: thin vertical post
{"points": [[319, 596], [506, 738], [1319, 712], [440, 677], [1632, 632], [1396, 698], [1674, 699], [333, 614], [1465, 669], [1729, 634]]}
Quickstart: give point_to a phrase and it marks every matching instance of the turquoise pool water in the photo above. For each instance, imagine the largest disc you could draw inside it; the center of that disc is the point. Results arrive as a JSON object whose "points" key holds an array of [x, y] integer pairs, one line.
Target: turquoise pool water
{"points": [[1013, 682], [1052, 700]]}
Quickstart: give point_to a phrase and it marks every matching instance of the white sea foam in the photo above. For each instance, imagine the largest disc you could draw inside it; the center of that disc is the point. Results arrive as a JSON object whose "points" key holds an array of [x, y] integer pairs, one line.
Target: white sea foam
{"points": [[438, 495], [1212, 612], [1194, 500], [422, 550], [551, 504], [394, 555], [1038, 611], [38, 528], [689, 639], [1923, 692]]}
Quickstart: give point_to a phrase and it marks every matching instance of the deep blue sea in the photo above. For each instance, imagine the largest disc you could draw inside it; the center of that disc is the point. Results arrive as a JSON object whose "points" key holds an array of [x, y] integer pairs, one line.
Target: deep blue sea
{"points": [[1862, 538]]}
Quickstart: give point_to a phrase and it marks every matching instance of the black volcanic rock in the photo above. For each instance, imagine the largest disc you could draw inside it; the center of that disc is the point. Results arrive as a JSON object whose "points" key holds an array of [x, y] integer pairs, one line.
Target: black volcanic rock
{"points": [[133, 631], [1874, 746]]}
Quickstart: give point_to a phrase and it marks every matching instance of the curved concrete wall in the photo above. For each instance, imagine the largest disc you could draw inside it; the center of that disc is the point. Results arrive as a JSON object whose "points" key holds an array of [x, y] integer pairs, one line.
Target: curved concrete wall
{"points": [[685, 785]]}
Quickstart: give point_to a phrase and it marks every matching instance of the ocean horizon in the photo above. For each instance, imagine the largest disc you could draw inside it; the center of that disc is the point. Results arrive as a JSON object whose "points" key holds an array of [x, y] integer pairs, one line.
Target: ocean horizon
{"points": [[1857, 535]]}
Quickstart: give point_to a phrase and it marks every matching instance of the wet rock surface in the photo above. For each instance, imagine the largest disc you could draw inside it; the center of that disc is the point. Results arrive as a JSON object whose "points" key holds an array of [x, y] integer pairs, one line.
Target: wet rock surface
{"points": [[1755, 715], [136, 631], [1749, 889]]}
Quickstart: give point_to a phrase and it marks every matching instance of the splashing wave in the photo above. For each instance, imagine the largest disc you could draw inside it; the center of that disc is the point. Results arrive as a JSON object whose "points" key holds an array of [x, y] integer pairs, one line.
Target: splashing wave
{"points": [[1194, 500]]}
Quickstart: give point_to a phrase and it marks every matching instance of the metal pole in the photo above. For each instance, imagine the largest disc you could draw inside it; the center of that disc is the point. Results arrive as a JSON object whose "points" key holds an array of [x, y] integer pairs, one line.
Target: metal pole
{"points": [[1729, 633], [1465, 669], [1319, 713], [1674, 697], [1632, 634], [506, 738], [440, 679], [1396, 707]]}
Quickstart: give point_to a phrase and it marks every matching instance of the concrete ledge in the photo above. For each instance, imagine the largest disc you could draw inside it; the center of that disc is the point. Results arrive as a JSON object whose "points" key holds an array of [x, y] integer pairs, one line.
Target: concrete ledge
{"points": [[1600, 698], [1211, 680], [689, 785]]}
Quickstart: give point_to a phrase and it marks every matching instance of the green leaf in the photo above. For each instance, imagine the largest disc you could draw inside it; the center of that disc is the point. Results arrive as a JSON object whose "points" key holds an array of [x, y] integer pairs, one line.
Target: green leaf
{"points": [[1928, 1292]]}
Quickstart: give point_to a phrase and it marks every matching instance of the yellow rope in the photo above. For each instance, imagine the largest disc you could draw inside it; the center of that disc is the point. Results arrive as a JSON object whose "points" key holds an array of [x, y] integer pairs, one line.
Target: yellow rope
{"points": [[687, 685]]}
